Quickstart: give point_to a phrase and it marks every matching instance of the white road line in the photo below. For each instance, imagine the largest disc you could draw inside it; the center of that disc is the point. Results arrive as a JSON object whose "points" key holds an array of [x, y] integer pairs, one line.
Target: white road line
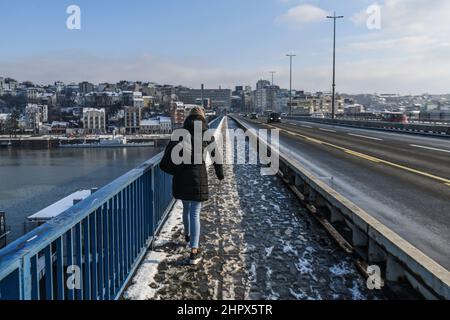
{"points": [[327, 130], [429, 148], [366, 137], [309, 127]]}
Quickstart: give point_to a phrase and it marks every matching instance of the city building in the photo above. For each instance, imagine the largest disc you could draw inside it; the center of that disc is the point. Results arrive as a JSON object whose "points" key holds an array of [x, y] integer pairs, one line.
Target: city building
{"points": [[149, 90], [35, 116], [266, 97], [33, 94], [100, 99], [148, 101], [59, 127], [238, 99], [160, 125], [150, 126], [302, 106], [4, 121], [261, 84], [133, 117], [353, 109], [59, 86], [94, 120], [138, 103], [8, 86], [218, 98], [323, 103], [166, 125], [86, 87], [74, 87]]}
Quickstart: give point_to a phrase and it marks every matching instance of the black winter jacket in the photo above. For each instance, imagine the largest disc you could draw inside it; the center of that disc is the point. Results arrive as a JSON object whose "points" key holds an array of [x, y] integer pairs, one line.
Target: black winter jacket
{"points": [[191, 183]]}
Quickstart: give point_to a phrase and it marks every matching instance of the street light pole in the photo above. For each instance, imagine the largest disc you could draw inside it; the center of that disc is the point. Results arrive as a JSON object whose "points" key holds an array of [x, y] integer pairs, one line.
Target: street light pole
{"points": [[333, 102], [290, 82]]}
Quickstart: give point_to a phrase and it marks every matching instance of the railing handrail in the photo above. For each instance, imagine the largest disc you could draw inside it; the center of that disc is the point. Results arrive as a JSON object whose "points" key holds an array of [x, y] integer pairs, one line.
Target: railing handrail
{"points": [[38, 238], [439, 130]]}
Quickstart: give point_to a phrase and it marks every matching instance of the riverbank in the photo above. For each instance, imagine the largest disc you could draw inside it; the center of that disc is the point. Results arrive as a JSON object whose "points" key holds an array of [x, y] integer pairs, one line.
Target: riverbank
{"points": [[48, 142]]}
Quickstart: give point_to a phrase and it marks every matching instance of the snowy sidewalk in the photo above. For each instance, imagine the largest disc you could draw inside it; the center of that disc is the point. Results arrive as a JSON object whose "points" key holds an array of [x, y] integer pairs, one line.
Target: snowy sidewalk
{"points": [[258, 243]]}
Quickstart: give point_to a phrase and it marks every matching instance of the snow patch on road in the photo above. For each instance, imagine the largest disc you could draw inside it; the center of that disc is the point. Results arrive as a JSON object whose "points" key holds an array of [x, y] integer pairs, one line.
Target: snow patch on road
{"points": [[341, 269]]}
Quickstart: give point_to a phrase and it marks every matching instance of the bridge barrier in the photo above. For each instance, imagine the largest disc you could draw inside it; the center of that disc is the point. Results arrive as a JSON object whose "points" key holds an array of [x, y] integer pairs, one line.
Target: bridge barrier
{"points": [[90, 251], [370, 240], [423, 129]]}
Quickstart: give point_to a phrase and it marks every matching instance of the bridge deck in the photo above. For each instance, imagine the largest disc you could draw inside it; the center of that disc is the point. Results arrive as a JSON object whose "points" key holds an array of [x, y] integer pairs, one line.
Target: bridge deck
{"points": [[258, 243]]}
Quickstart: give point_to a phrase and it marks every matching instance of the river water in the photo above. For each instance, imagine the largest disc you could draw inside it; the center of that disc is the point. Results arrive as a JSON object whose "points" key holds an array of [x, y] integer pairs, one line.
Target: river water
{"points": [[31, 180]]}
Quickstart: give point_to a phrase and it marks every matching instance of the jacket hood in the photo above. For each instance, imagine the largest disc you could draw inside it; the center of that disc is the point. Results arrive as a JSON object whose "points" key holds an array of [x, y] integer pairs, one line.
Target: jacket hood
{"points": [[190, 121]]}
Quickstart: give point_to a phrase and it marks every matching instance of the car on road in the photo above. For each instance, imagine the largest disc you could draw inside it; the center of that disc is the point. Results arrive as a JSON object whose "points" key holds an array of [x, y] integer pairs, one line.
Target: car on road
{"points": [[274, 117], [318, 115], [254, 116]]}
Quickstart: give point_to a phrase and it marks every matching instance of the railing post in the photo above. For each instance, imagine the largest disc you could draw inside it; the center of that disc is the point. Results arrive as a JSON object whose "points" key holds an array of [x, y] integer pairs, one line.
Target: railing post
{"points": [[153, 200], [25, 278]]}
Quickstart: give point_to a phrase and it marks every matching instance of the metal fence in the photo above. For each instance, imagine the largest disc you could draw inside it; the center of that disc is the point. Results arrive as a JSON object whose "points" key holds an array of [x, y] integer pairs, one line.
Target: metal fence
{"points": [[424, 129], [91, 250]]}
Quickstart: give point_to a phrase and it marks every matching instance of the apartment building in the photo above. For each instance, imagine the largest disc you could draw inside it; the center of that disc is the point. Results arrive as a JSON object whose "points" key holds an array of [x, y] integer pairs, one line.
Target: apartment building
{"points": [[94, 120], [133, 117]]}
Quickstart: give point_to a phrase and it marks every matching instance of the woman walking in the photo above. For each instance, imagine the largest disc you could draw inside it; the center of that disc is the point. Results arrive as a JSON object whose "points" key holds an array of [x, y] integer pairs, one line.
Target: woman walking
{"points": [[190, 185]]}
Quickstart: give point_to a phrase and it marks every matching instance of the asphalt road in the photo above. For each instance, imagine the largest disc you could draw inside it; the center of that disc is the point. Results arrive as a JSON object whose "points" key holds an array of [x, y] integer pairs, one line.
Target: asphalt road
{"points": [[402, 180]]}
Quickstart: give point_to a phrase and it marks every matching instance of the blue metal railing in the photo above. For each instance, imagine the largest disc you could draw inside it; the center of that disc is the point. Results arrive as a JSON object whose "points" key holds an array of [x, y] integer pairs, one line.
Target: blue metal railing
{"points": [[90, 251]]}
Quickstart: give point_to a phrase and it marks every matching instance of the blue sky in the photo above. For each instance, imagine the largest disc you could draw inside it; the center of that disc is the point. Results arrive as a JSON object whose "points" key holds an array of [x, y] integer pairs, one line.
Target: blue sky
{"points": [[229, 42]]}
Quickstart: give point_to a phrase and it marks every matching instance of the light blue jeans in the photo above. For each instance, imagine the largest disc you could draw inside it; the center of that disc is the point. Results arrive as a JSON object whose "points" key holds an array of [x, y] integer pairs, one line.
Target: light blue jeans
{"points": [[191, 220]]}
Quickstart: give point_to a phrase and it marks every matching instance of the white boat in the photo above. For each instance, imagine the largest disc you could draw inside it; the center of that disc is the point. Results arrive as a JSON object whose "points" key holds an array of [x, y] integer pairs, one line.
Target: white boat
{"points": [[109, 143], [113, 142], [60, 206]]}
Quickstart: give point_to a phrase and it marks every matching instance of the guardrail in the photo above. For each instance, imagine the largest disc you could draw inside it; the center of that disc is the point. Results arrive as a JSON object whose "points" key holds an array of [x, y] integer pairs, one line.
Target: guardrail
{"points": [[369, 240], [95, 245], [90, 251], [435, 130]]}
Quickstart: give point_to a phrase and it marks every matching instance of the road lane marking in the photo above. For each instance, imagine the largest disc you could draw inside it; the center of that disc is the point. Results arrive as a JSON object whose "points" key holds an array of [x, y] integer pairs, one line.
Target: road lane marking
{"points": [[362, 155], [327, 130], [429, 148], [366, 137], [315, 140], [374, 159], [309, 127]]}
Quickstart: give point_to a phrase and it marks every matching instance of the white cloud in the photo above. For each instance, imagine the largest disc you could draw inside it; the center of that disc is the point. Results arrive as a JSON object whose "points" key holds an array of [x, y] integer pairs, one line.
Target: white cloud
{"points": [[410, 52], [411, 16], [302, 15], [406, 43]]}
